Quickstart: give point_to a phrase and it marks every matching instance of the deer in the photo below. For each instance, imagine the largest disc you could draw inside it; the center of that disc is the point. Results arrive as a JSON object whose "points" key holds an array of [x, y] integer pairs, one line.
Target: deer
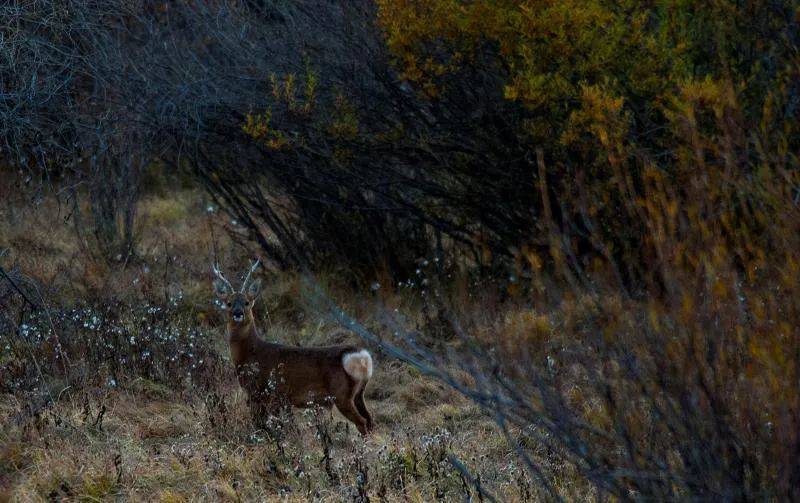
{"points": [[276, 375]]}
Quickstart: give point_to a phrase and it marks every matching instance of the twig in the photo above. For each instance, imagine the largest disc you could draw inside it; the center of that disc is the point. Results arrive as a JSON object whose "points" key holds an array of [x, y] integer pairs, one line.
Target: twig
{"points": [[476, 483], [17, 288]]}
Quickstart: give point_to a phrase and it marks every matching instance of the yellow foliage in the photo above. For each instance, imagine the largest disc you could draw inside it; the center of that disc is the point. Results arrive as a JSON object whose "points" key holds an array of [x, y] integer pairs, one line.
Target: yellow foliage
{"points": [[296, 95], [344, 122], [258, 127], [602, 115]]}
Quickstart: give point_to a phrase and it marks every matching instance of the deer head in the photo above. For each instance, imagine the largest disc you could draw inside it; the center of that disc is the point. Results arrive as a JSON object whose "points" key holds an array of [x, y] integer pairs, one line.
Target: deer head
{"points": [[239, 305]]}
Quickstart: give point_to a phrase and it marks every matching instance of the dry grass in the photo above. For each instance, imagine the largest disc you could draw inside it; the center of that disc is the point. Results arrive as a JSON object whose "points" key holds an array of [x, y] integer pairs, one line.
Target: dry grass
{"points": [[170, 449], [144, 430]]}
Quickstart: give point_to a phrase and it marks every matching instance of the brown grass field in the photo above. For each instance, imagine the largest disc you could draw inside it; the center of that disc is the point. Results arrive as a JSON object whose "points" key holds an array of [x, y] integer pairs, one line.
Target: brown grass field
{"points": [[185, 432]]}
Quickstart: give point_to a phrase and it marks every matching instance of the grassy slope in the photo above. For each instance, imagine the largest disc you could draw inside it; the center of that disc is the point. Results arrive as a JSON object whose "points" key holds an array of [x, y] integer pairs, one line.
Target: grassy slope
{"points": [[183, 443], [153, 443]]}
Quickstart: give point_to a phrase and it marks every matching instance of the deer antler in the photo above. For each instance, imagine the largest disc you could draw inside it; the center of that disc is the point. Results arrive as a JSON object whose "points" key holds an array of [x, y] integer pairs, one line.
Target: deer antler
{"points": [[247, 278], [220, 276]]}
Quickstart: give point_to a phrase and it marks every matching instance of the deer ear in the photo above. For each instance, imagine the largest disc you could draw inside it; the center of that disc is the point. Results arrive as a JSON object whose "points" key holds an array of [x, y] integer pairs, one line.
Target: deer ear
{"points": [[254, 288], [220, 288]]}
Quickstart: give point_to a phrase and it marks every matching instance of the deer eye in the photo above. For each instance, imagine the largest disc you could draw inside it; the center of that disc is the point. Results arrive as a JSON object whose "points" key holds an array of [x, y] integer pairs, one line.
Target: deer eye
{"points": [[229, 304]]}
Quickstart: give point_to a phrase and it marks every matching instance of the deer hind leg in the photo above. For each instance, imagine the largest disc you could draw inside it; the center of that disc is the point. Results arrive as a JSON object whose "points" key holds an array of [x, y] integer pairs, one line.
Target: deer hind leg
{"points": [[362, 407], [348, 409]]}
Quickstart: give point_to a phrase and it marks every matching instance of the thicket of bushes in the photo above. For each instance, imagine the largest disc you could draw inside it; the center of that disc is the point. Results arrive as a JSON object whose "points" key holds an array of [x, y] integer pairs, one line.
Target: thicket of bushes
{"points": [[370, 134]]}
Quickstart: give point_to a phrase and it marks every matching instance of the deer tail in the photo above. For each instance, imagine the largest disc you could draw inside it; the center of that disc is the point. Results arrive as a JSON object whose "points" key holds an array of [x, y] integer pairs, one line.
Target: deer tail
{"points": [[358, 365]]}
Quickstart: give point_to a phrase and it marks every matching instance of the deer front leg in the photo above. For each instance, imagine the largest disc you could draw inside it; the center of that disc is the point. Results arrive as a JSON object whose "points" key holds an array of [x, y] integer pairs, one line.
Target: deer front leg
{"points": [[260, 412]]}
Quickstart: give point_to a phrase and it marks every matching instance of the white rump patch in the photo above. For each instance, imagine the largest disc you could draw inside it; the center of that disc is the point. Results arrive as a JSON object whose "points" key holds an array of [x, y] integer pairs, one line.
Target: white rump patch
{"points": [[358, 365]]}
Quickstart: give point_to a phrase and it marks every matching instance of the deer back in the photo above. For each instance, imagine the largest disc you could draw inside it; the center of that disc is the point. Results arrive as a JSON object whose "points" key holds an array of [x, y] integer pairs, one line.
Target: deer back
{"points": [[304, 376]]}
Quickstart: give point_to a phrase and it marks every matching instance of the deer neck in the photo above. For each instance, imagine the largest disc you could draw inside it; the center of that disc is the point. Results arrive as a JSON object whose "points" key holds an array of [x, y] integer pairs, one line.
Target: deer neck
{"points": [[242, 339]]}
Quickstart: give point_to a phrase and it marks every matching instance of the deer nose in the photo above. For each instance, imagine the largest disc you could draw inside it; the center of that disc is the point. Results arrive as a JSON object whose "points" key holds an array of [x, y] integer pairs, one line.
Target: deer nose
{"points": [[238, 314]]}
